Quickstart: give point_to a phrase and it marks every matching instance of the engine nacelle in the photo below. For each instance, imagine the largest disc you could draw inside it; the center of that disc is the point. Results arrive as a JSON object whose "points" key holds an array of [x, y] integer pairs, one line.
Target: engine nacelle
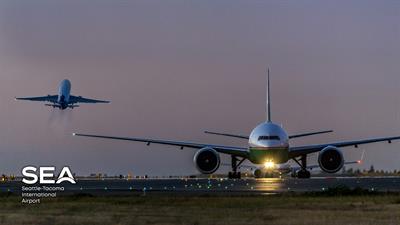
{"points": [[330, 159], [207, 160]]}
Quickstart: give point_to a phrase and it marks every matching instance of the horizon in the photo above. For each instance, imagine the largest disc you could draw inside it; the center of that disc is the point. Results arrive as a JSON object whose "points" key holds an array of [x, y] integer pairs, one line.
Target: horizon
{"points": [[172, 70]]}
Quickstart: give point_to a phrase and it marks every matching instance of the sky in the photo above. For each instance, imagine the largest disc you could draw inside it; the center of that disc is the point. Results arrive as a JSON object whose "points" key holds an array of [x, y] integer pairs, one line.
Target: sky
{"points": [[173, 69]]}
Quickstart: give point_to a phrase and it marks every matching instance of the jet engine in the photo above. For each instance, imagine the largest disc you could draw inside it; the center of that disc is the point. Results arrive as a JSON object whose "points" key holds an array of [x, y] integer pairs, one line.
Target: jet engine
{"points": [[330, 159], [207, 160]]}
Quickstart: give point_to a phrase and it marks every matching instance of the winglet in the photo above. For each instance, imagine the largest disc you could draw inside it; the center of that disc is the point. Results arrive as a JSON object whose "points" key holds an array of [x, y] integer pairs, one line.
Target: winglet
{"points": [[268, 98], [362, 158]]}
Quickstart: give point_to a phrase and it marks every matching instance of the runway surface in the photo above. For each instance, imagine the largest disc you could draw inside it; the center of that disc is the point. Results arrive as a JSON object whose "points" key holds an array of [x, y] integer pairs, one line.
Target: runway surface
{"points": [[201, 186]]}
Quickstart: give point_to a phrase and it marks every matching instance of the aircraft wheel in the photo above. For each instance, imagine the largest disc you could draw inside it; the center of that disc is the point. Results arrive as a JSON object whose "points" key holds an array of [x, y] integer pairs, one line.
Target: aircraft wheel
{"points": [[234, 175], [269, 175], [303, 174], [258, 173]]}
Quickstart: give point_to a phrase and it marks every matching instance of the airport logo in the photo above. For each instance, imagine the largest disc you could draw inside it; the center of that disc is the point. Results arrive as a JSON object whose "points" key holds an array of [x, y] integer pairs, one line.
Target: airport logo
{"points": [[46, 175]]}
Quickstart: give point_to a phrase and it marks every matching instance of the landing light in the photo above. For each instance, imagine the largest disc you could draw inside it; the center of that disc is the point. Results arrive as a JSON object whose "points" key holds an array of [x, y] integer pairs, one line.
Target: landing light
{"points": [[269, 165]]}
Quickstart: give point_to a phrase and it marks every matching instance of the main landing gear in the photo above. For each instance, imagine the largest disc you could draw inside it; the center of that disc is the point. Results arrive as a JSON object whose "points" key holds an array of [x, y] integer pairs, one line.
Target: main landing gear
{"points": [[235, 164], [303, 173]]}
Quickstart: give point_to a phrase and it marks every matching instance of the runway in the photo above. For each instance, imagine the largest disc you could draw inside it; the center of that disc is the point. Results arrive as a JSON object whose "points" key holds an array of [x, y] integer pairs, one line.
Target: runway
{"points": [[210, 186]]}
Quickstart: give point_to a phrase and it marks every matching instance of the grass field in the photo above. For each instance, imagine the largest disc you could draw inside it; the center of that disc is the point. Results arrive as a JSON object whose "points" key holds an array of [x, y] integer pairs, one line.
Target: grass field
{"points": [[161, 209]]}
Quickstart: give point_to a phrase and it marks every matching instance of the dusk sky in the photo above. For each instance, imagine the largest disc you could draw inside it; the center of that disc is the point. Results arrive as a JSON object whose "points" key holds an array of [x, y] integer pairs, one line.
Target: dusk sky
{"points": [[173, 69]]}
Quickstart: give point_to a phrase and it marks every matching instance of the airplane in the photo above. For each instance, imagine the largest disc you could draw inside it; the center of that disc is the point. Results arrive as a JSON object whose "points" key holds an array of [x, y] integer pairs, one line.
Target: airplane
{"points": [[268, 147], [63, 99]]}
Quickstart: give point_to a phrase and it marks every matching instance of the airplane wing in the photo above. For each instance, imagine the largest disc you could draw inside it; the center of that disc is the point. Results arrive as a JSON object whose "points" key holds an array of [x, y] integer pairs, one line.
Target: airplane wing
{"points": [[47, 98], [304, 150], [247, 137], [237, 151], [80, 99]]}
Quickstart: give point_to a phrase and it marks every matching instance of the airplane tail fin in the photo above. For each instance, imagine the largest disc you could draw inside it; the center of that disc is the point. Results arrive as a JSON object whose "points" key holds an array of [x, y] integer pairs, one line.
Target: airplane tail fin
{"points": [[268, 98]]}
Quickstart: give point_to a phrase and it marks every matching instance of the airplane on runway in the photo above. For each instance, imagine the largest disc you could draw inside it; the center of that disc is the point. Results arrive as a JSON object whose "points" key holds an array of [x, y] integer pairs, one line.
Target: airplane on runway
{"points": [[268, 148], [63, 99]]}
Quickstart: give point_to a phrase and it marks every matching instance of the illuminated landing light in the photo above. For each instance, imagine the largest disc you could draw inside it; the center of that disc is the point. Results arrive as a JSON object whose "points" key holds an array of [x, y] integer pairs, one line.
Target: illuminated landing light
{"points": [[269, 165], [359, 162]]}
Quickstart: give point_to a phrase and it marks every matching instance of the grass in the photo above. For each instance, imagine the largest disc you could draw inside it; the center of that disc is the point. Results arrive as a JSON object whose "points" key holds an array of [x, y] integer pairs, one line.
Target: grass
{"points": [[336, 207]]}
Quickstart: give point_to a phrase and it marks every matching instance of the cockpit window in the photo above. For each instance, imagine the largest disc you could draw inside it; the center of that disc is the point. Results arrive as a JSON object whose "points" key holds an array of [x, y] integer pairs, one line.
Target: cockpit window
{"points": [[268, 138]]}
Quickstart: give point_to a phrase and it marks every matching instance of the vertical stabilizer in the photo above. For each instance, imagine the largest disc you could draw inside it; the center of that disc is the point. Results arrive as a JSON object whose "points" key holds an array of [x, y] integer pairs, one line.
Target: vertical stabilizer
{"points": [[268, 99]]}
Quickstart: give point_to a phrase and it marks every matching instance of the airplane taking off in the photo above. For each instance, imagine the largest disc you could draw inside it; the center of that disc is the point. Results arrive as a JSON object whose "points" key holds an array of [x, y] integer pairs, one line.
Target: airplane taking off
{"points": [[63, 99], [268, 148]]}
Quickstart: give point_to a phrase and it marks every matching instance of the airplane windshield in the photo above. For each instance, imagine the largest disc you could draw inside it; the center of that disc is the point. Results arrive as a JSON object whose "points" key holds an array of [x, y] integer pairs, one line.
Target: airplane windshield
{"points": [[268, 138]]}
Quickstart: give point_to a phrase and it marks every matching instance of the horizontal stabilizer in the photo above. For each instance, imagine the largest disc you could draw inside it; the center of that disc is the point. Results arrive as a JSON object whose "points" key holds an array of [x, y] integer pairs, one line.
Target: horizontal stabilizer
{"points": [[309, 134], [53, 105], [247, 137], [73, 106], [227, 135]]}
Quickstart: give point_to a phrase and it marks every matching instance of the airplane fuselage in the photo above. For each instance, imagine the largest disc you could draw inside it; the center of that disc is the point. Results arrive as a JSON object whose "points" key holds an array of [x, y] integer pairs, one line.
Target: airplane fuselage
{"points": [[64, 92], [268, 142]]}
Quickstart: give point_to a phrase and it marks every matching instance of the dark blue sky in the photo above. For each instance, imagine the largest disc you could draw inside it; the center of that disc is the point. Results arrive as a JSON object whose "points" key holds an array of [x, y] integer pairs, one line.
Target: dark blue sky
{"points": [[173, 69]]}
